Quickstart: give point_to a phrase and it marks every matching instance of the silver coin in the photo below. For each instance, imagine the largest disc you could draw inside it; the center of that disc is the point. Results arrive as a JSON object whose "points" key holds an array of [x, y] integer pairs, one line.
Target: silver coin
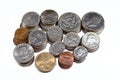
{"points": [[56, 48], [49, 17], [71, 40], [93, 22], [55, 34], [38, 40], [70, 22], [45, 27], [80, 53], [31, 20], [23, 53], [91, 41]]}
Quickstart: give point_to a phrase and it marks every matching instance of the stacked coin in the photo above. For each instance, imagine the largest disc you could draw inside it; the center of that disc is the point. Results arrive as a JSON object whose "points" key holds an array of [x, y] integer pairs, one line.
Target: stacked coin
{"points": [[62, 34]]}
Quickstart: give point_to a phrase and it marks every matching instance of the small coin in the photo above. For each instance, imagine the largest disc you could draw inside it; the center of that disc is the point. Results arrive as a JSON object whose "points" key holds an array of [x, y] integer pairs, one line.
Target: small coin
{"points": [[71, 40], [56, 48], [91, 41], [93, 22], [55, 34], [66, 60], [45, 62], [45, 27], [70, 22], [49, 17]]}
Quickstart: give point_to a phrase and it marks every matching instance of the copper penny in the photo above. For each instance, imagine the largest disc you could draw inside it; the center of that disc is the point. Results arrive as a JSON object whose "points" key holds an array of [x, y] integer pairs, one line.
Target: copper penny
{"points": [[45, 62], [66, 60]]}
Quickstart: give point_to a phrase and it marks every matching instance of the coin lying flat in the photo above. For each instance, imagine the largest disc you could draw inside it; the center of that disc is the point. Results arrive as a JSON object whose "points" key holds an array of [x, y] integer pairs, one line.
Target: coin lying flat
{"points": [[93, 22], [70, 22], [45, 62]]}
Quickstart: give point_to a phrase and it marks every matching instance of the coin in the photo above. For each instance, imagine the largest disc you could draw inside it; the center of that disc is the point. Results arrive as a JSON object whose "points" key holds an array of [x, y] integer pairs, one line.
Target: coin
{"points": [[93, 22], [80, 53], [66, 60], [56, 48], [49, 17], [45, 62], [91, 41], [30, 20], [70, 22], [45, 27], [38, 39], [23, 53], [55, 34], [71, 40]]}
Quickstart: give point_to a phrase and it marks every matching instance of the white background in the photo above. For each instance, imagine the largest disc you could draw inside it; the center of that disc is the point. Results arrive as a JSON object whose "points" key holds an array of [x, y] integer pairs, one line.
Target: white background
{"points": [[104, 64]]}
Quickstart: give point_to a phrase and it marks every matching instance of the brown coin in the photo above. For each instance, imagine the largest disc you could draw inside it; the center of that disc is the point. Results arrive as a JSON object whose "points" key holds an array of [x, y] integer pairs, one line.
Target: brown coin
{"points": [[45, 62], [66, 60]]}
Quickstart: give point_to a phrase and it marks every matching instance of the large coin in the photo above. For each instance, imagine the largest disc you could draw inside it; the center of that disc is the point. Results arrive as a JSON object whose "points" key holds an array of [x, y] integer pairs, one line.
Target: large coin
{"points": [[70, 22], [45, 62]]}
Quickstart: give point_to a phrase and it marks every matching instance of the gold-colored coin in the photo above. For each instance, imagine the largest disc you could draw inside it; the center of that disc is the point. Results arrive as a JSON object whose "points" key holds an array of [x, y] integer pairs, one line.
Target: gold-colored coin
{"points": [[45, 62]]}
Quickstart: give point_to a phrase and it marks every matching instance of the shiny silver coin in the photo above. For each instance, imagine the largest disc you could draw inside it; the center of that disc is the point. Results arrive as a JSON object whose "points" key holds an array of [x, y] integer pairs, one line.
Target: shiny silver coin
{"points": [[70, 22], [71, 40], [55, 34], [45, 27], [23, 53], [56, 48], [93, 22], [91, 41], [31, 20], [49, 17], [38, 40], [80, 53]]}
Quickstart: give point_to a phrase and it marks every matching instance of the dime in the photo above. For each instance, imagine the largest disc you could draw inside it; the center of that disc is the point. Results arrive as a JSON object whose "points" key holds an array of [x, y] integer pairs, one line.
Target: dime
{"points": [[56, 48], [38, 40], [93, 22], [71, 40], [31, 20], [45, 62], [80, 53], [91, 41], [70, 22], [49, 17], [55, 34], [21, 36], [66, 60], [23, 53]]}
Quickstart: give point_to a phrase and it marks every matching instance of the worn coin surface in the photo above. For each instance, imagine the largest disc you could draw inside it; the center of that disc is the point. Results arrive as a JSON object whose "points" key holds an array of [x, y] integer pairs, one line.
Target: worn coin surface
{"points": [[23, 53], [93, 22], [30, 20], [66, 60], [71, 40], [56, 48], [45, 62], [38, 39], [45, 27], [80, 53], [55, 34], [70, 22], [91, 41], [49, 17]]}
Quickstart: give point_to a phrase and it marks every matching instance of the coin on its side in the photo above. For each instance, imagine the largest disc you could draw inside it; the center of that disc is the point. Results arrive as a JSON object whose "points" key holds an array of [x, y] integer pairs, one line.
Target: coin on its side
{"points": [[45, 62]]}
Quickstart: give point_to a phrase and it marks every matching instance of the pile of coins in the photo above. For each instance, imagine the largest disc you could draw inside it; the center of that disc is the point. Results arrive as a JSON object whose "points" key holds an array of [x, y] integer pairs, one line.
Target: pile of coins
{"points": [[61, 33]]}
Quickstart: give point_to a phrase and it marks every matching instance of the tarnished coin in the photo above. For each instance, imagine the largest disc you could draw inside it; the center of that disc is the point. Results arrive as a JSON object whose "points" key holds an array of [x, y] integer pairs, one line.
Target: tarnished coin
{"points": [[38, 40], [71, 40], [49, 17], [31, 20], [45, 62], [80, 53], [55, 34], [23, 53], [93, 22], [45, 27], [70, 22], [91, 41], [21, 36], [56, 48], [66, 60]]}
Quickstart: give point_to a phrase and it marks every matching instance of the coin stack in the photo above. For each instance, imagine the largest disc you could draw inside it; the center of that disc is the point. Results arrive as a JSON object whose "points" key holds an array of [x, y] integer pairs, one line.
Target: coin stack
{"points": [[36, 31]]}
